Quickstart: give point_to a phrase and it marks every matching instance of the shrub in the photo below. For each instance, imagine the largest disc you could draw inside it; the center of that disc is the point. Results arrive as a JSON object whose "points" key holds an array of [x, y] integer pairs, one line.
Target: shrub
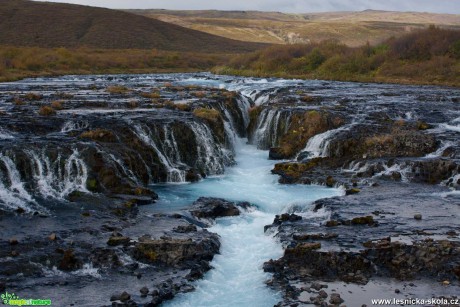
{"points": [[57, 105], [46, 111], [208, 114], [99, 135], [117, 89], [151, 95], [33, 96]]}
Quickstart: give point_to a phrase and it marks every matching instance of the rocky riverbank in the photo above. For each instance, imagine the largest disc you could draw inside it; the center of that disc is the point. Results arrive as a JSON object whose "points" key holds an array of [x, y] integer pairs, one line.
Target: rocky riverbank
{"points": [[80, 157], [398, 161]]}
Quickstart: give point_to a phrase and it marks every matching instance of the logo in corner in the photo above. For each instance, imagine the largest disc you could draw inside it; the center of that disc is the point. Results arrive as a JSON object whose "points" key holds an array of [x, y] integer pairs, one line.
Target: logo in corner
{"points": [[13, 300]]}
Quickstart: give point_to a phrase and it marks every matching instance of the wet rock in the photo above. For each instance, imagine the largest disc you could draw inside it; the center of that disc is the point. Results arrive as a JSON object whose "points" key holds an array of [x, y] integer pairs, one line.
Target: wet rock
{"points": [[14, 241], [352, 191], [314, 236], [332, 223], [301, 247], [276, 153], [124, 296], [144, 291], [418, 216], [330, 181], [186, 228], [335, 299], [192, 176], [176, 251], [364, 220], [317, 286], [118, 240], [69, 261], [211, 208], [286, 217]]}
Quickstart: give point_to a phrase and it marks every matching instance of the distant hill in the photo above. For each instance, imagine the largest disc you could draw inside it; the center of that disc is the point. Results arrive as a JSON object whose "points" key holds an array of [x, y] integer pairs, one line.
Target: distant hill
{"points": [[351, 28], [50, 25]]}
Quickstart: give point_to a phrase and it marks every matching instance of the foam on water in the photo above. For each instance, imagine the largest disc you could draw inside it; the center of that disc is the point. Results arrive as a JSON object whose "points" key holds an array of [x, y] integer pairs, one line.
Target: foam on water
{"points": [[238, 278]]}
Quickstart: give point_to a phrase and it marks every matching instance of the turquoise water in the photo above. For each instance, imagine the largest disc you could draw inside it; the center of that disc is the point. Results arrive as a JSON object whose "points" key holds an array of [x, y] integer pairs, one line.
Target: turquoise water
{"points": [[238, 278]]}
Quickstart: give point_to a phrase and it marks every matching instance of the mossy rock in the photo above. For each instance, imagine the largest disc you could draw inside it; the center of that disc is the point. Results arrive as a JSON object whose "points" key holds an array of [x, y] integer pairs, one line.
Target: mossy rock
{"points": [[101, 135], [69, 261], [116, 241], [92, 185], [332, 223], [330, 181], [352, 191], [363, 220]]}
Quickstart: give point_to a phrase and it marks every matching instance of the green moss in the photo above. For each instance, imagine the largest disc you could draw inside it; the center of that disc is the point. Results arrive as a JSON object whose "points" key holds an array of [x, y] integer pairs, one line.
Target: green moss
{"points": [[363, 220], [352, 191], [92, 184]]}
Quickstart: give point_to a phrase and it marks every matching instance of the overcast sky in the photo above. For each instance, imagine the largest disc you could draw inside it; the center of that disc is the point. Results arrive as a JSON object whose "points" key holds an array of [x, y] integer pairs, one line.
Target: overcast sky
{"points": [[292, 6]]}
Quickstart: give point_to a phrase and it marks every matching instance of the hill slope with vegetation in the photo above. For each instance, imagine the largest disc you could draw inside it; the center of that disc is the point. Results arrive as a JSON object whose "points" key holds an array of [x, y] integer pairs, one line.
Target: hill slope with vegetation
{"points": [[350, 28], [52, 25], [430, 56]]}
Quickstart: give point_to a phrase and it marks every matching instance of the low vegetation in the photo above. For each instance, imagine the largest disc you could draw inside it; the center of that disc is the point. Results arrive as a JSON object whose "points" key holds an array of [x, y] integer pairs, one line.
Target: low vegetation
{"points": [[100, 135], [207, 114], [21, 62], [431, 56], [46, 111]]}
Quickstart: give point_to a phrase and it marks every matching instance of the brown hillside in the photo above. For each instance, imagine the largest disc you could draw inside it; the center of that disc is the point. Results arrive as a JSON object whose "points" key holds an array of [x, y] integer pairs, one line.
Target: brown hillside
{"points": [[50, 25], [350, 28]]}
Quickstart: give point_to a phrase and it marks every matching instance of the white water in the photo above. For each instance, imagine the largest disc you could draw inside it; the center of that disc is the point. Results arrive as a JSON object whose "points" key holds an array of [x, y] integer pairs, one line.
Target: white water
{"points": [[12, 192], [58, 178], [238, 278]]}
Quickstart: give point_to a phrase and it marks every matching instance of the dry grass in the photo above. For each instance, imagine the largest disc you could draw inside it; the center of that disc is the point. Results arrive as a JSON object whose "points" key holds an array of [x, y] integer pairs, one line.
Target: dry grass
{"points": [[430, 56], [57, 105], [117, 90], [151, 95], [208, 114], [20, 62], [46, 111], [101, 135], [350, 28]]}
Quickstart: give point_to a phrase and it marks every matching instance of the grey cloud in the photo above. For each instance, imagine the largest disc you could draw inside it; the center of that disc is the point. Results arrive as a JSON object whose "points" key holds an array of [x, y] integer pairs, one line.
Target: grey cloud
{"points": [[293, 6]]}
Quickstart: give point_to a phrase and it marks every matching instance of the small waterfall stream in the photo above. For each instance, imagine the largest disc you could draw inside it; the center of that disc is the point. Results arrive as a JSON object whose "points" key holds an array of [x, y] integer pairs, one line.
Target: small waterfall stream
{"points": [[238, 278]]}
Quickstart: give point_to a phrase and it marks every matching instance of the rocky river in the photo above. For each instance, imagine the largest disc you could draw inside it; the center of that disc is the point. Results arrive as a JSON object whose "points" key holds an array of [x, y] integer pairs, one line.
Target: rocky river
{"points": [[206, 190]]}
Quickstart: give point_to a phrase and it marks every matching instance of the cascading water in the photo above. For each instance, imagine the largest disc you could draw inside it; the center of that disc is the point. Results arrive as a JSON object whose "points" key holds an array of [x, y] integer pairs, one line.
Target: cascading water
{"points": [[174, 174], [210, 156], [12, 191], [268, 127], [58, 178], [238, 278]]}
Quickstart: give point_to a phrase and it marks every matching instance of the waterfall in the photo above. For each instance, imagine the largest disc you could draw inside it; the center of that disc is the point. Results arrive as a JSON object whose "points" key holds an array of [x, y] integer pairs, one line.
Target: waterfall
{"points": [[318, 145], [58, 178], [123, 167], [12, 192], [74, 125], [268, 124], [244, 105], [173, 173], [211, 158], [5, 134]]}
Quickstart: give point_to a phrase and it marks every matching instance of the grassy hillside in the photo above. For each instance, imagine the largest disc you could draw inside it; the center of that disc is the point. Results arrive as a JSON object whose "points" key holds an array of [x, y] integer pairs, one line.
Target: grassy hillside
{"points": [[21, 62], [430, 56], [53, 25], [350, 28]]}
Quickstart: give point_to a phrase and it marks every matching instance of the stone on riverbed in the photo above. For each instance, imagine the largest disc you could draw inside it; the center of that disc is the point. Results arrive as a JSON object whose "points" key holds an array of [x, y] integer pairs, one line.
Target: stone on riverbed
{"points": [[211, 208]]}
